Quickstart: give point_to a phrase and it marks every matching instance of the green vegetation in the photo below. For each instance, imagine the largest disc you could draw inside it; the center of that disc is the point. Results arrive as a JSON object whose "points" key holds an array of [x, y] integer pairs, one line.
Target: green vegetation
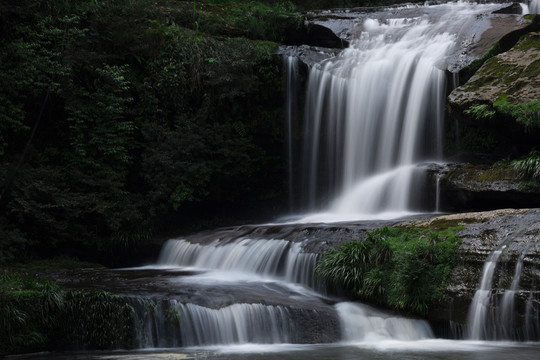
{"points": [[500, 170], [480, 112], [486, 138], [504, 44], [529, 166], [403, 269], [36, 314], [122, 120], [527, 114]]}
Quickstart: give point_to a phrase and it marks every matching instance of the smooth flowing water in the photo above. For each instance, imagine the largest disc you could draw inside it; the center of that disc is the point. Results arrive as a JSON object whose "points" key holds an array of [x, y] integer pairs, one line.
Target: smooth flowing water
{"points": [[534, 7], [375, 112], [290, 64], [480, 304]]}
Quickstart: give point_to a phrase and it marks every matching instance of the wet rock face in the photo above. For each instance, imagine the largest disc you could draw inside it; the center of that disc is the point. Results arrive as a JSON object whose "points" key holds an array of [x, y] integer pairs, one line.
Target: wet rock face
{"points": [[517, 233], [485, 187], [314, 35]]}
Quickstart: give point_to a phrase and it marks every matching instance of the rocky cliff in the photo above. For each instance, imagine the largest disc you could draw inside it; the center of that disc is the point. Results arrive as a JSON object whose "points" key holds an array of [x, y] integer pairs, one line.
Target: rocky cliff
{"points": [[516, 277]]}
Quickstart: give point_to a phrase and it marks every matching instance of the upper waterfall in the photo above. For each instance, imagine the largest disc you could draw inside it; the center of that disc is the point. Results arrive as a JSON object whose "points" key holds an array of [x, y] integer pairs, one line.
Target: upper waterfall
{"points": [[375, 111]]}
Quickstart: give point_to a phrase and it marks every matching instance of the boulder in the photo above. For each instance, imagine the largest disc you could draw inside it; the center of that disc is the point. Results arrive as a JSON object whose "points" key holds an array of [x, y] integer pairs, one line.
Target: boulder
{"points": [[313, 35], [514, 74]]}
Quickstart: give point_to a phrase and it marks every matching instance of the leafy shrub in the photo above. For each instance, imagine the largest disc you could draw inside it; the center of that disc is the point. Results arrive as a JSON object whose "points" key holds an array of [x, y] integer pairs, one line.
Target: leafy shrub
{"points": [[97, 320], [480, 112], [404, 269], [37, 315], [527, 114], [529, 166]]}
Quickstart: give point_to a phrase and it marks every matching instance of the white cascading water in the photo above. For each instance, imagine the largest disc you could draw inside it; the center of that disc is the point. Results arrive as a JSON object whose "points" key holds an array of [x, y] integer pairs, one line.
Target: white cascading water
{"points": [[534, 7], [506, 318], [235, 324], [376, 110], [172, 324], [274, 258], [360, 323], [258, 323], [291, 65], [478, 328]]}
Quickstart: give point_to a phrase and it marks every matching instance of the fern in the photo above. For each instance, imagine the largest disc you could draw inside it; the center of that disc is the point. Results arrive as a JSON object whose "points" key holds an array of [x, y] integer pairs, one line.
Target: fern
{"points": [[529, 166]]}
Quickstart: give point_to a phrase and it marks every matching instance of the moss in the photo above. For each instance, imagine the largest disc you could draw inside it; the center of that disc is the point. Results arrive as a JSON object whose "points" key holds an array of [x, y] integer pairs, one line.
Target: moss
{"points": [[529, 41], [533, 70], [504, 44], [502, 170], [445, 223], [498, 171]]}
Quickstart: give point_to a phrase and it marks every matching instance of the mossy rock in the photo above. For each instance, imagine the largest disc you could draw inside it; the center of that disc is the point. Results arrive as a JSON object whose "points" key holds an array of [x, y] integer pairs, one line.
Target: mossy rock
{"points": [[512, 75], [487, 187]]}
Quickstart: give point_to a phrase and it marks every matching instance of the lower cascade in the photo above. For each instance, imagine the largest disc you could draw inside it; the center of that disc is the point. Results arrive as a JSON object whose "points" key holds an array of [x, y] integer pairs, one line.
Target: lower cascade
{"points": [[360, 323], [254, 286], [173, 324]]}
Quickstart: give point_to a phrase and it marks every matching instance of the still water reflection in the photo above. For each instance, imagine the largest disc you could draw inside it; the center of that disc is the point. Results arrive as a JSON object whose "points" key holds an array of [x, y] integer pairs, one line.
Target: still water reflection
{"points": [[391, 350]]}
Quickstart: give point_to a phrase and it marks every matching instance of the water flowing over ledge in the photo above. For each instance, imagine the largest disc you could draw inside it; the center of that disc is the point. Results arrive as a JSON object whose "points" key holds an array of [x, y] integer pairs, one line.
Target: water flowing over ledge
{"points": [[375, 111]]}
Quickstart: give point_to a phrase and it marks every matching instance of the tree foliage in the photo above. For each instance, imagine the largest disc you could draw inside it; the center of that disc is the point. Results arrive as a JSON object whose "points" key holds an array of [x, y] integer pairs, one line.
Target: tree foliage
{"points": [[116, 120]]}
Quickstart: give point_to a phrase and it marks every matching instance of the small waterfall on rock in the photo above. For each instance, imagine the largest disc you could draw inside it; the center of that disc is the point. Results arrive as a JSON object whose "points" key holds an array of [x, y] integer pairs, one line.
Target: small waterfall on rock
{"points": [[494, 312], [506, 322], [480, 304], [255, 285]]}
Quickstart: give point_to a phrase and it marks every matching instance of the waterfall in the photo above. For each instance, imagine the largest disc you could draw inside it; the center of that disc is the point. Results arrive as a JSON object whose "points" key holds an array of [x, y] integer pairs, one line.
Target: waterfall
{"points": [[291, 72], [169, 323], [375, 111], [534, 7], [506, 321], [360, 323], [273, 258], [437, 193], [480, 303]]}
